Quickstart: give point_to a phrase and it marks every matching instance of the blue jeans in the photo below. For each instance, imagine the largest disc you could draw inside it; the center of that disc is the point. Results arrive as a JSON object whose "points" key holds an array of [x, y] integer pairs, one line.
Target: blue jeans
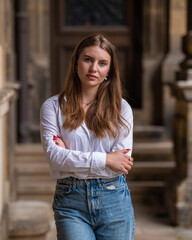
{"points": [[96, 209]]}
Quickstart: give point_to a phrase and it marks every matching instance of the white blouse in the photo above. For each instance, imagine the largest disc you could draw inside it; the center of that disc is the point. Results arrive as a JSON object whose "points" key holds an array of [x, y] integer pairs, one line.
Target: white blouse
{"points": [[85, 155]]}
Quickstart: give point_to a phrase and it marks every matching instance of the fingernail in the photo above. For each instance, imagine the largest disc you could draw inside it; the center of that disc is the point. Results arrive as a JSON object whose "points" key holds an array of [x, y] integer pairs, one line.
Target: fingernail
{"points": [[57, 143], [128, 149]]}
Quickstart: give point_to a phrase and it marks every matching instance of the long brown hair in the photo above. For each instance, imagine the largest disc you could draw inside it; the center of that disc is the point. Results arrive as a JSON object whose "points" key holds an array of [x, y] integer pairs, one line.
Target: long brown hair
{"points": [[104, 114]]}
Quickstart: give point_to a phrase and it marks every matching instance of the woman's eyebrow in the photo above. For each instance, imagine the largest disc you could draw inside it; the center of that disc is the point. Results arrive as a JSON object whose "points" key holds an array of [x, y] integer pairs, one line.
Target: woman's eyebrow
{"points": [[85, 55], [103, 60]]}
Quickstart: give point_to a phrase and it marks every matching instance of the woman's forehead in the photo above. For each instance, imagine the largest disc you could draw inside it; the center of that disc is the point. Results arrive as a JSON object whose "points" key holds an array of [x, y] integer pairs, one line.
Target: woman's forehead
{"points": [[96, 52]]}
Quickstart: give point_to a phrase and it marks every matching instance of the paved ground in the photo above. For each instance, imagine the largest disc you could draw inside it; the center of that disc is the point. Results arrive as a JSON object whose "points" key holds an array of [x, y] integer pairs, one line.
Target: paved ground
{"points": [[148, 226], [151, 224]]}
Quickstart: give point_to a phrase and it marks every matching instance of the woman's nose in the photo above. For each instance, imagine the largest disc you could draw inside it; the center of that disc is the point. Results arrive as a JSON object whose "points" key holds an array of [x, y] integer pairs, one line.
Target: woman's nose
{"points": [[93, 67]]}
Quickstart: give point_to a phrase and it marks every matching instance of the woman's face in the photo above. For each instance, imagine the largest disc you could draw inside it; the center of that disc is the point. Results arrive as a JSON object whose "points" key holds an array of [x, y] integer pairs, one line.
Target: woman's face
{"points": [[93, 66]]}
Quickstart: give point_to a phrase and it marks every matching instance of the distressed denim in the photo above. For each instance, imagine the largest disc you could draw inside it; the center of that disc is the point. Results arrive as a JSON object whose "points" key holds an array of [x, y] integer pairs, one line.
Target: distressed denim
{"points": [[95, 209]]}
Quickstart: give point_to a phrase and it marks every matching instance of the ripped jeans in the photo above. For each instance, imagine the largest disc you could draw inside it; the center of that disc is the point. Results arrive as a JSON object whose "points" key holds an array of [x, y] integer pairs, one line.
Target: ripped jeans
{"points": [[95, 209]]}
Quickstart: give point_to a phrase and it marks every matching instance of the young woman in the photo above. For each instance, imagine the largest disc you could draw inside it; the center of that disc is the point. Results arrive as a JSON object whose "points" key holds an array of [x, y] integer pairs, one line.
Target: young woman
{"points": [[86, 133]]}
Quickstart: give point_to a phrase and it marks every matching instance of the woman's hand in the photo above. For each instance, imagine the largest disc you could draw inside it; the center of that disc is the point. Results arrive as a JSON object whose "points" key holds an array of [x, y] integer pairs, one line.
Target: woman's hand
{"points": [[118, 160], [58, 141]]}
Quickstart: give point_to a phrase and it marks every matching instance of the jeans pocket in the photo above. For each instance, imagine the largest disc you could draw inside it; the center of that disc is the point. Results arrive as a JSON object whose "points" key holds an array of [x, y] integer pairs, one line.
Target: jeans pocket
{"points": [[113, 184], [63, 189], [62, 193]]}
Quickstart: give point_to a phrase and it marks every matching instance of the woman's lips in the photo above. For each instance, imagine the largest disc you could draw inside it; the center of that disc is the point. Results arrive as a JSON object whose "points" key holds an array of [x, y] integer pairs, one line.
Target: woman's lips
{"points": [[92, 77]]}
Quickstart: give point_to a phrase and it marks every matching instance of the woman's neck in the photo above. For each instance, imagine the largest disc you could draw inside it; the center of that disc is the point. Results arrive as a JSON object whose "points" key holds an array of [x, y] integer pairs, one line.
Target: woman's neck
{"points": [[88, 96]]}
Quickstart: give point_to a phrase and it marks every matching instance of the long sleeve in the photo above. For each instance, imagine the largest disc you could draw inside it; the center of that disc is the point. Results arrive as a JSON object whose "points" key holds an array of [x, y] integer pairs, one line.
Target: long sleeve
{"points": [[61, 159], [125, 140]]}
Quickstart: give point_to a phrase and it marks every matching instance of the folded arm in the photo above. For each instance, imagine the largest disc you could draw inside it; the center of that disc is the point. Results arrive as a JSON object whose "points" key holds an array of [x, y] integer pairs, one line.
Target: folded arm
{"points": [[67, 160], [60, 158]]}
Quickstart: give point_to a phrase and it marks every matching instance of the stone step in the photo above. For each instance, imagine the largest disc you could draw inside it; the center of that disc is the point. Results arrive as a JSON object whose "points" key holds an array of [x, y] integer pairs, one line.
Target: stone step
{"points": [[35, 178], [29, 220], [147, 190], [30, 158], [153, 151], [33, 187], [36, 197], [145, 185], [142, 171], [149, 132], [153, 167], [29, 153], [32, 168], [29, 148], [153, 148]]}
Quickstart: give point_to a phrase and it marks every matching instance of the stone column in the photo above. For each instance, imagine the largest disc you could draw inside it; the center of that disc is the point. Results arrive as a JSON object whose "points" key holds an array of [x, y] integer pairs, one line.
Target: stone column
{"points": [[38, 64], [21, 26], [154, 48], [182, 90], [177, 28], [7, 75], [182, 126]]}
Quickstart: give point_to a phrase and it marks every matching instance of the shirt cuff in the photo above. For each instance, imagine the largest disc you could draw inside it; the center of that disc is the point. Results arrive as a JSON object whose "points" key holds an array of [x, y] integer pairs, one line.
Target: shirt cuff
{"points": [[98, 162]]}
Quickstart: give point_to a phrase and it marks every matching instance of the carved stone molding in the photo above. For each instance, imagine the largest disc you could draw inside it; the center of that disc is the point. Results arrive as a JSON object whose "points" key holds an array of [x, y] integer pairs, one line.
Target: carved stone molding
{"points": [[183, 90], [5, 96]]}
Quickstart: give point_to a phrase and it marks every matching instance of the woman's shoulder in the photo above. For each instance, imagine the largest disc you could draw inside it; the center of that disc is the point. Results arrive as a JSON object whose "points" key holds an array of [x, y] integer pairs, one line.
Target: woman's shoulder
{"points": [[51, 102], [125, 106], [53, 99], [126, 111]]}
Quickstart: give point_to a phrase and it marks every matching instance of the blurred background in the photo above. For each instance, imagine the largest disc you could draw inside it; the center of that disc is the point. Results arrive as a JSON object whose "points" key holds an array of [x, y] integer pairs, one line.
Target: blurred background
{"points": [[154, 42]]}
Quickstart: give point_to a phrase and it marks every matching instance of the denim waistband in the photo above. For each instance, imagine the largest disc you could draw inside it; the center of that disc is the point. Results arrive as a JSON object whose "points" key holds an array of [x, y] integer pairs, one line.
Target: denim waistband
{"points": [[76, 181]]}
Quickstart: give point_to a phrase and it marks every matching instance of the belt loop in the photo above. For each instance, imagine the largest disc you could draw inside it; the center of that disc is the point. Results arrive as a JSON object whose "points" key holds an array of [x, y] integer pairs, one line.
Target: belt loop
{"points": [[99, 182], [74, 183]]}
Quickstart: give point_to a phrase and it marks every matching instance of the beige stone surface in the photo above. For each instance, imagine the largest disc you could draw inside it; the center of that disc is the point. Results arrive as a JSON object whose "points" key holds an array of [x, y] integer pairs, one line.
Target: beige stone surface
{"points": [[28, 218], [152, 224], [149, 226]]}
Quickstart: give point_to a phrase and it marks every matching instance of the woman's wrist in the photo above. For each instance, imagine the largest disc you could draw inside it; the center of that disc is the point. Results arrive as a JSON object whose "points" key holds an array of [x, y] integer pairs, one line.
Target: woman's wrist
{"points": [[108, 159]]}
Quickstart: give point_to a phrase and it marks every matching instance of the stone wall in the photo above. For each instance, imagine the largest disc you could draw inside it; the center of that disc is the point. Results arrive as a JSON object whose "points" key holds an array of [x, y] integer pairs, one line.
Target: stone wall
{"points": [[177, 29], [38, 64], [6, 96], [155, 24]]}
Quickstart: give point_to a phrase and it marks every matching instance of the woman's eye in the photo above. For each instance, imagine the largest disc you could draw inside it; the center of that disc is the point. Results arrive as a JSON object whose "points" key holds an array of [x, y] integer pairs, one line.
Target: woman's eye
{"points": [[103, 63], [87, 59]]}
